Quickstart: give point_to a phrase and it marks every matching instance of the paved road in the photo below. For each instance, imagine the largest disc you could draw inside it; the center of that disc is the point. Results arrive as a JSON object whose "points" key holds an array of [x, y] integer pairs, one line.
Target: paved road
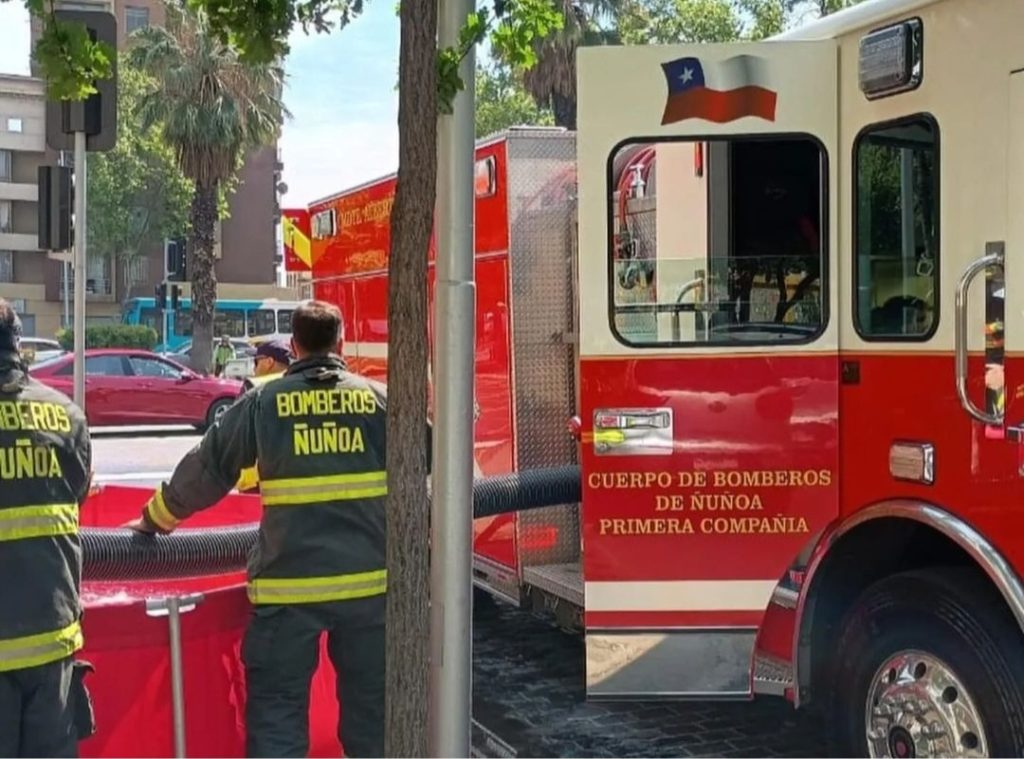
{"points": [[528, 690], [139, 456]]}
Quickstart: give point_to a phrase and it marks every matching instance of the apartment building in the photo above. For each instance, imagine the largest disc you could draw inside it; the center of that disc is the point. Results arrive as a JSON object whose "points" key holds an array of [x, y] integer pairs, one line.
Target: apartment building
{"points": [[22, 146], [247, 249]]}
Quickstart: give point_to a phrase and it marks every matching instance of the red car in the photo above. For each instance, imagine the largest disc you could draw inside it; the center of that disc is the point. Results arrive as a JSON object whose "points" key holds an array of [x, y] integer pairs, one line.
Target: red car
{"points": [[135, 387]]}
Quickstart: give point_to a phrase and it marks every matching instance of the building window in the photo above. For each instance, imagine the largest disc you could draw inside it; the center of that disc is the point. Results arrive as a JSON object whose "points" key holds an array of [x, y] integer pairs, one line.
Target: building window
{"points": [[5, 216], [6, 265], [15, 125], [135, 18], [718, 243], [6, 165], [896, 230]]}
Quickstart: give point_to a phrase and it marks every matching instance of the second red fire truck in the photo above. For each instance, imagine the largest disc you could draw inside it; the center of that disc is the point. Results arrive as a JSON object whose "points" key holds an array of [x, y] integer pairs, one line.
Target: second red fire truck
{"points": [[749, 278]]}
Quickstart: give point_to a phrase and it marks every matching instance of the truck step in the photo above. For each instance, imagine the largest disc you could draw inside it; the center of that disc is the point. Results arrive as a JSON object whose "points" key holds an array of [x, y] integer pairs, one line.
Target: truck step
{"points": [[562, 580]]}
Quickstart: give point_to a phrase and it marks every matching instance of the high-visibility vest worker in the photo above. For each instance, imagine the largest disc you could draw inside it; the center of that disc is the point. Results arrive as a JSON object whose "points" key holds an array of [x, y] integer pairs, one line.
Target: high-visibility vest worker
{"points": [[45, 460], [317, 435], [271, 361]]}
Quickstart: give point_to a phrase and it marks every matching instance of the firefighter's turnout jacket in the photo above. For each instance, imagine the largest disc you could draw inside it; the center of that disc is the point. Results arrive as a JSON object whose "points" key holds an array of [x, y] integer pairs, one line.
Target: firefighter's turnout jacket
{"points": [[45, 460], [250, 477], [317, 436]]}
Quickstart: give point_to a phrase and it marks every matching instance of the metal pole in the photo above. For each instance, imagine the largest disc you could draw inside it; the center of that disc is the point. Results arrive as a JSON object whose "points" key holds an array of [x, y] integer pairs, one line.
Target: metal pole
{"points": [[167, 279], [174, 607], [80, 274], [66, 321], [451, 589], [177, 685]]}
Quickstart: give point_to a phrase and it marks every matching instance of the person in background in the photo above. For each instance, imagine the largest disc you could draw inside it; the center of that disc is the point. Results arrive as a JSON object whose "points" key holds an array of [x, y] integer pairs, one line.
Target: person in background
{"points": [[222, 354], [44, 707], [272, 359], [317, 435]]}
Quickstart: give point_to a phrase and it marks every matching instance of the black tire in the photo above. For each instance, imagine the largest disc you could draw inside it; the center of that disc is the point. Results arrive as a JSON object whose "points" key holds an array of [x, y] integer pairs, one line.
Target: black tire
{"points": [[952, 614], [217, 408]]}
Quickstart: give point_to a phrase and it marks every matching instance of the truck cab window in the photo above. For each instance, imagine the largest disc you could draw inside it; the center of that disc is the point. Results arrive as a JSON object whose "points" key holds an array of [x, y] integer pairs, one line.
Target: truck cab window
{"points": [[896, 230], [718, 242]]}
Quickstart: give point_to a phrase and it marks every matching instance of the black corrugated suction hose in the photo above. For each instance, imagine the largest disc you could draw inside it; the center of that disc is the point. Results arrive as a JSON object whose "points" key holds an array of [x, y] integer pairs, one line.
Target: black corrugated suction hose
{"points": [[120, 554]]}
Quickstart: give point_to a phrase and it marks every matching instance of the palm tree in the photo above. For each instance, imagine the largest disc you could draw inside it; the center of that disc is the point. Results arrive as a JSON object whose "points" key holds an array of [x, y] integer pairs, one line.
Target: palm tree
{"points": [[214, 108], [552, 80]]}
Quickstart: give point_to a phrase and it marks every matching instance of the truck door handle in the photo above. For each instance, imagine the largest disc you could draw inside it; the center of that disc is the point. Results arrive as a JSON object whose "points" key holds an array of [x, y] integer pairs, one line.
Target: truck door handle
{"points": [[992, 258]]}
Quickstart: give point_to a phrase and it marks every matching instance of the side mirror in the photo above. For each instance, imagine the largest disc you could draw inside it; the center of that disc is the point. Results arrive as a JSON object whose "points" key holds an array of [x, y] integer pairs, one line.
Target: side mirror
{"points": [[187, 377]]}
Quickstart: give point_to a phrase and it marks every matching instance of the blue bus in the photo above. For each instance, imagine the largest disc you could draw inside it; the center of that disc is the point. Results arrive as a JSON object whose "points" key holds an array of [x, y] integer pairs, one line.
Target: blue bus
{"points": [[234, 318]]}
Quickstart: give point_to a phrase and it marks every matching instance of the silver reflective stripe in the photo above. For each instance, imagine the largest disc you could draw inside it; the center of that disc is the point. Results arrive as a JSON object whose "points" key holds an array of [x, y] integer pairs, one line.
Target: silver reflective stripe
{"points": [[318, 489], [34, 650], [38, 521], [338, 588], [298, 590]]}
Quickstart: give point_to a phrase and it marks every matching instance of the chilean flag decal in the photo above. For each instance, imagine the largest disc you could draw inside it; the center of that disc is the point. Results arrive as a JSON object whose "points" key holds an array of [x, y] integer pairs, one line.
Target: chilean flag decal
{"points": [[719, 92]]}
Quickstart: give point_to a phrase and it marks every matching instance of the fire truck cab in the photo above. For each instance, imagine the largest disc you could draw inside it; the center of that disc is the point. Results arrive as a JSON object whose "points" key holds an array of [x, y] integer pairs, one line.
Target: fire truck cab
{"points": [[769, 280], [802, 463]]}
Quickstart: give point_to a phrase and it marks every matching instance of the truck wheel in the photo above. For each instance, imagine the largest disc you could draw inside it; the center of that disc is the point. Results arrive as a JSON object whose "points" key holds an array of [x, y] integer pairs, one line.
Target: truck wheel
{"points": [[928, 663]]}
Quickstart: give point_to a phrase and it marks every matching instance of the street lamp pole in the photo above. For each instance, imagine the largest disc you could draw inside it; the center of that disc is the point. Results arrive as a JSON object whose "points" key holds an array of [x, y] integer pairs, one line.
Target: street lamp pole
{"points": [[451, 587]]}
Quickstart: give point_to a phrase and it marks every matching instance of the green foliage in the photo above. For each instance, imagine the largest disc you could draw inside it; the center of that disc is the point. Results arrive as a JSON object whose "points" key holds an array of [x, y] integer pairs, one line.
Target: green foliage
{"points": [[137, 195], [260, 30], [213, 105], [257, 33], [502, 102], [69, 60], [526, 22], [513, 35], [681, 21], [112, 336], [449, 83], [673, 21]]}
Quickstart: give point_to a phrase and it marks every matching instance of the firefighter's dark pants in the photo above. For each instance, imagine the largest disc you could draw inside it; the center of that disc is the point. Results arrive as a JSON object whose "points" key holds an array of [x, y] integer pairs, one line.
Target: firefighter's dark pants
{"points": [[281, 652], [36, 714]]}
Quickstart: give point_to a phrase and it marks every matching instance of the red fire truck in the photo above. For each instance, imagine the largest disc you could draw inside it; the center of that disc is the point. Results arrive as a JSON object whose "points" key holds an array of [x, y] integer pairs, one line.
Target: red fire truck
{"points": [[749, 275]]}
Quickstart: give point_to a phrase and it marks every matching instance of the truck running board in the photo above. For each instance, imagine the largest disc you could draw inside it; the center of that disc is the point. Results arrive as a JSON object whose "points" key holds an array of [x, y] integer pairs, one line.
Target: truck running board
{"points": [[564, 581], [677, 664]]}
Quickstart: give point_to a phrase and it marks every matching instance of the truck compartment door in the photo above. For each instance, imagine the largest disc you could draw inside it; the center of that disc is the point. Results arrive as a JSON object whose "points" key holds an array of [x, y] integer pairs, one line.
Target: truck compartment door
{"points": [[708, 358]]}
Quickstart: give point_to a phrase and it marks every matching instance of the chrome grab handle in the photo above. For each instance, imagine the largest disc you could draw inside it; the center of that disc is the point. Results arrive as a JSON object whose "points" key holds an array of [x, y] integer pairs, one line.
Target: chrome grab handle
{"points": [[960, 339]]}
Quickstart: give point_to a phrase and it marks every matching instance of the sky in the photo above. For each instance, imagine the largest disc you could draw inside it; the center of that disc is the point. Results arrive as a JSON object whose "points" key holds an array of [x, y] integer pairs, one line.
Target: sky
{"points": [[340, 92]]}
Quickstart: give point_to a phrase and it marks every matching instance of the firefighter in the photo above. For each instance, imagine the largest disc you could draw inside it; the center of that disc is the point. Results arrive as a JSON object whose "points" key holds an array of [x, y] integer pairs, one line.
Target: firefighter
{"points": [[45, 459], [317, 435], [272, 359]]}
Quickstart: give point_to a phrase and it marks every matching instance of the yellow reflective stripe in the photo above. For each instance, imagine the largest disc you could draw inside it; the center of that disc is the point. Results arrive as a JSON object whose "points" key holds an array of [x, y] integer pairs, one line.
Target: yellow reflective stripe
{"points": [[264, 378], [159, 513], [43, 648], [302, 590], [334, 487], [47, 520]]}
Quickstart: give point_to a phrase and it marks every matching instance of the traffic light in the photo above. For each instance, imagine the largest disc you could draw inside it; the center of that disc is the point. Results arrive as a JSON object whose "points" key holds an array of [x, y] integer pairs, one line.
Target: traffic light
{"points": [[55, 206], [174, 297], [97, 114], [177, 265], [161, 296]]}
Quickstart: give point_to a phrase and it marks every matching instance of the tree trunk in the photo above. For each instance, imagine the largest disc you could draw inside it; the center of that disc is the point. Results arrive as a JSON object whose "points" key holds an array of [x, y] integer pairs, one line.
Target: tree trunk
{"points": [[203, 275], [412, 219], [564, 109]]}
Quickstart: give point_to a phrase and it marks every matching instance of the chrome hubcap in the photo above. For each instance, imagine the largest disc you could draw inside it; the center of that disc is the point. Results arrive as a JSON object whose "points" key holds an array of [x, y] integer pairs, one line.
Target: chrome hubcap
{"points": [[917, 706]]}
